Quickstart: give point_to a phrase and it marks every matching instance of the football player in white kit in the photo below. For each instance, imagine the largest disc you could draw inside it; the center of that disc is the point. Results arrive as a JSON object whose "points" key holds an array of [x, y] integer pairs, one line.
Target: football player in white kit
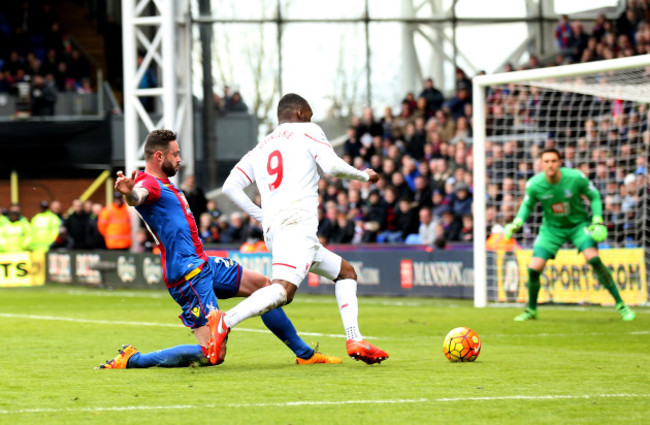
{"points": [[283, 166]]}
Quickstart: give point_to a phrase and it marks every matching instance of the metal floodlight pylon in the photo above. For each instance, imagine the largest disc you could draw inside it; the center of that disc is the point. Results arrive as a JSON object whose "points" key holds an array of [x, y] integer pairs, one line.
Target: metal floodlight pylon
{"points": [[162, 30]]}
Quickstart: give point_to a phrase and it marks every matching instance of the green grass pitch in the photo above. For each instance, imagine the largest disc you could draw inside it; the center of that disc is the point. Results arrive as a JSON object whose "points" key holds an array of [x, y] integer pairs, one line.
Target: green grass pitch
{"points": [[575, 365]]}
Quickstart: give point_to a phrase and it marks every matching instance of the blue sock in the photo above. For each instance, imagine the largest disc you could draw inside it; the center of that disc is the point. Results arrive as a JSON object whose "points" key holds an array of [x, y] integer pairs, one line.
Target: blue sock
{"points": [[278, 323], [179, 356]]}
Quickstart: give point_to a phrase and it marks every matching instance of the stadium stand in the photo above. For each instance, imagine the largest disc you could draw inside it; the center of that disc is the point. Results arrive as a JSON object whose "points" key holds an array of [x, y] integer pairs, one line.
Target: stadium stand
{"points": [[423, 151]]}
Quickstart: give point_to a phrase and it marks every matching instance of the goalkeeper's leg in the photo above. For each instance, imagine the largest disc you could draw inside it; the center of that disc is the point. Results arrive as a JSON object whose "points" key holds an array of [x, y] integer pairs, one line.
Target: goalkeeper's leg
{"points": [[606, 280], [530, 313], [534, 272]]}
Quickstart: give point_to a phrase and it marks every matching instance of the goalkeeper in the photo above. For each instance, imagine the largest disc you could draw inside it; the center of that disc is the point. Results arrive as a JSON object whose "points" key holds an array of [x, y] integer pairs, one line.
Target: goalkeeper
{"points": [[565, 218]]}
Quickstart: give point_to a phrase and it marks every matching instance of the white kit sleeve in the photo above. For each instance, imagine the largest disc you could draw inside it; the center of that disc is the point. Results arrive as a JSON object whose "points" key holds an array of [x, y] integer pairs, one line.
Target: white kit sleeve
{"points": [[241, 176], [327, 159]]}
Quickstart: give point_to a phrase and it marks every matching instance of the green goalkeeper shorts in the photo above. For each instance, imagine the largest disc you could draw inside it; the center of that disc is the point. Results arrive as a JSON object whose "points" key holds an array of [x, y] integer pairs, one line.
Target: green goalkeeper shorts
{"points": [[550, 239]]}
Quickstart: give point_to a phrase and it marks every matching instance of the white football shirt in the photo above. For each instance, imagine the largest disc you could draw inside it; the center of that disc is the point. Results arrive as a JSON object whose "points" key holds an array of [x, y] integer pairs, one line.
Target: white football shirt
{"points": [[284, 167]]}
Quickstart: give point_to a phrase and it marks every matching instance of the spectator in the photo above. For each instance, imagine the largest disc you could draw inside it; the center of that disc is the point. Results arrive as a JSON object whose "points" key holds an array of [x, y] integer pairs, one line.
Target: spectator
{"points": [[343, 231], [205, 232], [426, 229], [238, 231], [14, 63], [401, 187], [76, 224], [402, 121], [433, 96], [15, 234], [78, 66], [467, 231], [439, 242], [564, 34], [85, 87], [462, 132], [114, 224], [386, 123], [375, 209], [43, 97], [446, 125], [411, 171], [451, 225], [70, 85], [236, 103], [423, 192], [461, 201], [462, 79], [368, 125], [215, 233], [456, 105], [626, 23], [407, 219], [61, 77], [327, 225], [440, 174], [421, 110], [93, 236], [438, 204], [44, 228], [195, 197], [211, 208], [416, 138], [580, 41], [352, 145], [54, 37], [55, 207]]}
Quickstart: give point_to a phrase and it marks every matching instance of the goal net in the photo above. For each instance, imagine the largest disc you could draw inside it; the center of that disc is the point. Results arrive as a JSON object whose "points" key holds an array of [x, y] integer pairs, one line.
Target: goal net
{"points": [[596, 114]]}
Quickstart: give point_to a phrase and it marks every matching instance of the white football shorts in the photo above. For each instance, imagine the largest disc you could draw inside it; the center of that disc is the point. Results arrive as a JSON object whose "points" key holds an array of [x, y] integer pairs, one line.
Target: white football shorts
{"points": [[296, 250]]}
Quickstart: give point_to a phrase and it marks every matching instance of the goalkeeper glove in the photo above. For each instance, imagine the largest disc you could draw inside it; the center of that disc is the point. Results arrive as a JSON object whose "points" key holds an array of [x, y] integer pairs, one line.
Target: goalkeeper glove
{"points": [[512, 227], [597, 230]]}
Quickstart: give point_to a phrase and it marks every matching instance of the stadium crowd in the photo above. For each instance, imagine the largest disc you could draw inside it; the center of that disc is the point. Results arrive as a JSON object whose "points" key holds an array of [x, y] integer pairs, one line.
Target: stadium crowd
{"points": [[424, 153], [35, 53]]}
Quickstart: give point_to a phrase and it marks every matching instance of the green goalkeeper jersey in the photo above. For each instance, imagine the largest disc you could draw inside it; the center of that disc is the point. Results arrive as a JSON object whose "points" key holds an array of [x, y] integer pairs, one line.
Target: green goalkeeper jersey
{"points": [[562, 202]]}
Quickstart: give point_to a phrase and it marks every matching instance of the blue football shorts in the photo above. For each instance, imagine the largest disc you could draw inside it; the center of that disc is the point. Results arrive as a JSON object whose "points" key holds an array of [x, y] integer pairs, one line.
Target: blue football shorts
{"points": [[219, 278]]}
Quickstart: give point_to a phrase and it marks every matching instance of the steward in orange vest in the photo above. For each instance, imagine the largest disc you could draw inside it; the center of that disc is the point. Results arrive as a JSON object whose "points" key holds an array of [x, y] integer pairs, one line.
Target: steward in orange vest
{"points": [[114, 224]]}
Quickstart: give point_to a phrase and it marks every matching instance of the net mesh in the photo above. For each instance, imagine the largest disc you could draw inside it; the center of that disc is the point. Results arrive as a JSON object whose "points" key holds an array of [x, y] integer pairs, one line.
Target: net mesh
{"points": [[600, 124]]}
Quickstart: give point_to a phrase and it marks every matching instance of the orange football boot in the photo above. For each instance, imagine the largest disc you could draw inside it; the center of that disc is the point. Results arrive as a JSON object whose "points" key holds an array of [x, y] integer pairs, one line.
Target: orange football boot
{"points": [[219, 333], [120, 361], [319, 358], [368, 353]]}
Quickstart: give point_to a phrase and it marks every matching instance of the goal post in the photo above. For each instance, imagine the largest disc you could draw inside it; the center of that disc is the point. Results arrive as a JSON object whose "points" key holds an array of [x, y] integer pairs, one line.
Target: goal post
{"points": [[597, 113]]}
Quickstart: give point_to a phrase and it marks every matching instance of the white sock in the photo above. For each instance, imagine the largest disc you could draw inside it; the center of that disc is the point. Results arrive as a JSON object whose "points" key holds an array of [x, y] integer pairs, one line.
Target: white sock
{"points": [[346, 296], [259, 302]]}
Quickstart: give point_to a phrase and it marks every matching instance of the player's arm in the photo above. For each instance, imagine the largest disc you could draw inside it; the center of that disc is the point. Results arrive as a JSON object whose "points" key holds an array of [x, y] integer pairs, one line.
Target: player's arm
{"points": [[329, 162], [597, 230], [134, 196], [525, 209], [240, 177], [590, 191]]}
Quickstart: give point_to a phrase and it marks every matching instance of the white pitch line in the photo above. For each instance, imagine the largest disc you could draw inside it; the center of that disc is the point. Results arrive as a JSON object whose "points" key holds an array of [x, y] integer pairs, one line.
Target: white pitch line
{"points": [[119, 294], [324, 403], [545, 334], [154, 324], [325, 300]]}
